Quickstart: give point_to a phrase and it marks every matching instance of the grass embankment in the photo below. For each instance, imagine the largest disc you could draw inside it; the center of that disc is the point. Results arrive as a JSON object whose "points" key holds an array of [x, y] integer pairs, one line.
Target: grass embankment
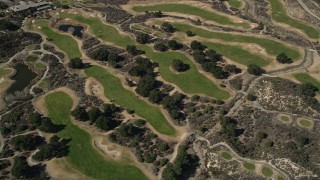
{"points": [[306, 78], [305, 123], [113, 89], [249, 166], [226, 155], [5, 72], [82, 155], [192, 10], [279, 14], [235, 3], [191, 81], [272, 47], [266, 171], [63, 42]]}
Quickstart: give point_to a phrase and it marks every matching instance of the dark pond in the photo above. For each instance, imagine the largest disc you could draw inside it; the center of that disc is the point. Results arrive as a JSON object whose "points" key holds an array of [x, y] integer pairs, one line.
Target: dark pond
{"points": [[76, 30], [22, 78]]}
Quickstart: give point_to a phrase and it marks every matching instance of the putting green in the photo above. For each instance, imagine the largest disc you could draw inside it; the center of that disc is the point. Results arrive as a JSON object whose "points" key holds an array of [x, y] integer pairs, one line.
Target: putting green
{"points": [[272, 47], [284, 118], [235, 3], [191, 82], [63, 42], [226, 155], [306, 78], [266, 171], [113, 89], [305, 123], [192, 10], [249, 166], [82, 155], [279, 14], [32, 58]]}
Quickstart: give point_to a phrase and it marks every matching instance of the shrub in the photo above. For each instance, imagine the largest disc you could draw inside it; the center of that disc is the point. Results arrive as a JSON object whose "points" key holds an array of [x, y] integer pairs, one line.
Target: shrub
{"points": [[255, 70], [284, 59], [143, 38], [160, 46], [179, 66], [167, 27], [76, 63]]}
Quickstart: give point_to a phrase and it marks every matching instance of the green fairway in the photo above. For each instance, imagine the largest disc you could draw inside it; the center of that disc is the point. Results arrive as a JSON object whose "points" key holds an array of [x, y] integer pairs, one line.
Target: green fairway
{"points": [[271, 46], [82, 155], [39, 66], [279, 14], [63, 42], [235, 3], [306, 78], [192, 10], [226, 155], [190, 82], [266, 171], [249, 166], [113, 89], [32, 58], [305, 123], [5, 72], [238, 54]]}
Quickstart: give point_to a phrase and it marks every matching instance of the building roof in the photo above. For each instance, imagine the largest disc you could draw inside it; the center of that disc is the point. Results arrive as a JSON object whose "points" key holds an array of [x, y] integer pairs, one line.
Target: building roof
{"points": [[26, 5]]}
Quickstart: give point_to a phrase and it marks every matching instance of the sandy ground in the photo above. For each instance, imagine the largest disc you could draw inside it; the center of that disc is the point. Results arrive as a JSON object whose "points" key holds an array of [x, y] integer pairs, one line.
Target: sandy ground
{"points": [[198, 4]]}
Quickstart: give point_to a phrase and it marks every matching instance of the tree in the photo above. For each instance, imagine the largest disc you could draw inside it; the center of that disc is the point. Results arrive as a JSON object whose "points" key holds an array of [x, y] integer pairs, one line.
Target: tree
{"points": [[195, 45], [34, 118], [283, 59], [251, 97], [174, 45], [167, 27], [137, 71], [76, 63], [114, 57], [160, 46], [155, 96], [145, 85], [94, 113], [100, 54], [20, 167], [132, 49], [179, 66], [26, 142], [143, 38], [103, 123], [48, 126], [190, 33], [3, 5], [255, 70], [110, 109], [213, 55], [232, 68], [80, 113], [199, 56], [157, 14], [309, 89]]}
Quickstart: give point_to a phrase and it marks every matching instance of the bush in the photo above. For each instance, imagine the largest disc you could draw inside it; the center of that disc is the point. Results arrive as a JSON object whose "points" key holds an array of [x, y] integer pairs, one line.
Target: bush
{"points": [[179, 66], [76, 63], [160, 46], [155, 96], [251, 97], [139, 122], [145, 85], [190, 33], [100, 54], [80, 114], [284, 59], [167, 27], [255, 70], [174, 45], [143, 38], [132, 49], [195, 45], [261, 135]]}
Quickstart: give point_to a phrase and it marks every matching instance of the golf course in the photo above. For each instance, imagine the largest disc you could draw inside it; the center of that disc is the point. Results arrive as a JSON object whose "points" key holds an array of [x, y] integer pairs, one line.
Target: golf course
{"points": [[279, 14], [197, 84], [82, 155], [113, 87], [192, 10]]}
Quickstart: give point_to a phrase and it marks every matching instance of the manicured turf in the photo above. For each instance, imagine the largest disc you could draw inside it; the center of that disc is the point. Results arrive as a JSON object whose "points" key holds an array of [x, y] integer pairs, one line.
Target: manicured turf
{"points": [[43, 84], [191, 10], [306, 78], [235, 3], [190, 82], [82, 155], [39, 66], [249, 166], [279, 14], [4, 72], [63, 42], [113, 89], [226, 155], [32, 58], [266, 171], [271, 46], [285, 118], [237, 54], [305, 123], [280, 178]]}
